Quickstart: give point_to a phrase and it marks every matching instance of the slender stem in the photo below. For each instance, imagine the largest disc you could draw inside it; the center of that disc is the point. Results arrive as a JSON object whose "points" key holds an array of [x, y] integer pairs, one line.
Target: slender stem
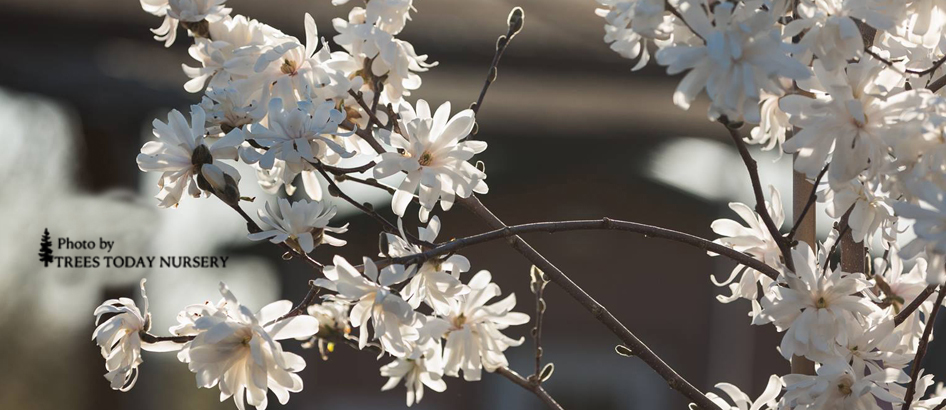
{"points": [[372, 119], [921, 350], [388, 226], [534, 388], [936, 64], [812, 198], [539, 283], [584, 225], [501, 43], [673, 379], [351, 170], [760, 208], [827, 258], [914, 305]]}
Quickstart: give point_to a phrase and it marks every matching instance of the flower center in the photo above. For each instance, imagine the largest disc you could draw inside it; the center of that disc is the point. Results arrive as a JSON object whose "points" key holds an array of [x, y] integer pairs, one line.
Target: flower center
{"points": [[845, 387], [459, 321], [288, 67], [821, 303], [425, 159]]}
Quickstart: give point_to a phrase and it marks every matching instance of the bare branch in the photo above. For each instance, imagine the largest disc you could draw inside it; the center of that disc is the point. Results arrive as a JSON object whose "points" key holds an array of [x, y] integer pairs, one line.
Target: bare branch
{"points": [[534, 388], [514, 24], [674, 380], [921, 350], [811, 201], [753, 168], [584, 225], [914, 305]]}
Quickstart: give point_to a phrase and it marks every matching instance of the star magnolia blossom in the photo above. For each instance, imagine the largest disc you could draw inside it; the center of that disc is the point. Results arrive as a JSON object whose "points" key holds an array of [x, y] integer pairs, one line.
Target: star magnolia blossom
{"points": [[754, 240], [814, 306], [187, 11], [929, 217], [854, 122], [899, 289], [393, 319], [297, 135], [829, 28], [741, 401], [838, 387], [303, 225], [183, 156], [870, 210], [742, 57], [230, 56], [434, 158], [475, 342], [239, 351], [436, 282], [423, 367], [632, 24], [120, 340]]}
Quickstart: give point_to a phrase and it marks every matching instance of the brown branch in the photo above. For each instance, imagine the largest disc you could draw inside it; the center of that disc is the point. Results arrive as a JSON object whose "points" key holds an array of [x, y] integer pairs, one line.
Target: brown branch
{"points": [[365, 133], [921, 350], [534, 388], [350, 170], [674, 380], [937, 84], [584, 225], [538, 287], [367, 209], [914, 305], [934, 67], [760, 208], [811, 201]]}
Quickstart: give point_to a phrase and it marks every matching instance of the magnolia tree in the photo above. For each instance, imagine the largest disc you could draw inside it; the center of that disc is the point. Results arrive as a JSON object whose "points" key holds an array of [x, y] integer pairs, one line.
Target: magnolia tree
{"points": [[850, 87]]}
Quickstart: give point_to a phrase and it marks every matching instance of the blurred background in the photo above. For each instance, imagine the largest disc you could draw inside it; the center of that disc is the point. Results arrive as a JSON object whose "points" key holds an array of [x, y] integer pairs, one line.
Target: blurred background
{"points": [[572, 133]]}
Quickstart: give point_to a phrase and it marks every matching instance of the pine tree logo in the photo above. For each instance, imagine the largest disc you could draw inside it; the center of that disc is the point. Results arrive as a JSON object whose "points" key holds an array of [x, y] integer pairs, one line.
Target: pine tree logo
{"points": [[45, 249]]}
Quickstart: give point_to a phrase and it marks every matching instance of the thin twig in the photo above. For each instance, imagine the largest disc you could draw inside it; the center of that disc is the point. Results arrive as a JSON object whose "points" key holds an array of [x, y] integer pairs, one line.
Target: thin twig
{"points": [[921, 350], [350, 170], [534, 388], [827, 258], [934, 67], [538, 287], [673, 379], [811, 201], [388, 226], [501, 43], [760, 208], [584, 225], [914, 305]]}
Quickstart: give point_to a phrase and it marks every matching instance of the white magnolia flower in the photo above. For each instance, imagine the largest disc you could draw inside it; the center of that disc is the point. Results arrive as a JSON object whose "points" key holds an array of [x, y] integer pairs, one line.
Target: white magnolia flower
{"points": [[298, 136], [830, 30], [924, 382], [742, 401], [228, 108], [239, 351], [633, 24], [332, 316], [120, 339], [900, 288], [813, 309], [434, 158], [856, 122], [381, 56], [436, 282], [753, 239], [303, 225], [186, 11], [423, 367], [228, 55], [871, 208], [474, 341], [285, 68], [929, 225], [838, 387], [393, 319], [743, 56], [182, 155], [772, 128], [389, 15]]}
